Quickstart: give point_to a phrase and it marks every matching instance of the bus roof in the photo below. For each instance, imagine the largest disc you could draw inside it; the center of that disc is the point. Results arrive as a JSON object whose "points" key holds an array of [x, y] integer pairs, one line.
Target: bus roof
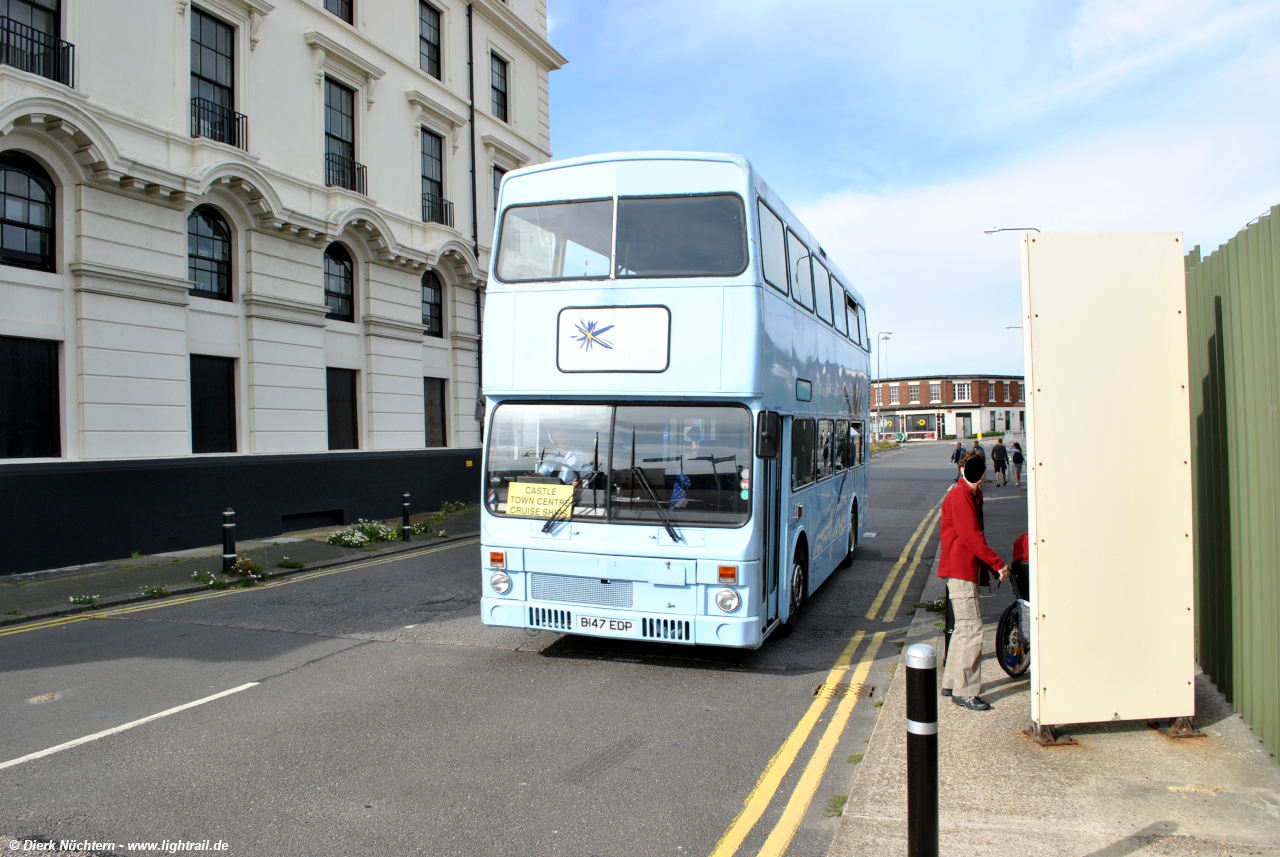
{"points": [[761, 187]]}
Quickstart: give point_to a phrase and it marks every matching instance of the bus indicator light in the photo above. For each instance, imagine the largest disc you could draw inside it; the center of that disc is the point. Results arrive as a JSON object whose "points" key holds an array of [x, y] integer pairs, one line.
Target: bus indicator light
{"points": [[497, 559], [729, 574]]}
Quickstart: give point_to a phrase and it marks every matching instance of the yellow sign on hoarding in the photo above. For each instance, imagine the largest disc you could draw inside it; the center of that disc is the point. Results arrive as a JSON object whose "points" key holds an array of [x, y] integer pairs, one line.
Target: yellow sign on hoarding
{"points": [[537, 500]]}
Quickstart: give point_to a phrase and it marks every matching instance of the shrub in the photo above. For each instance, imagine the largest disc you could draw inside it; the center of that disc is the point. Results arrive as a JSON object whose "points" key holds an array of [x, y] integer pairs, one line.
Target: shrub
{"points": [[362, 534], [155, 592], [290, 563], [246, 567], [423, 528], [91, 600], [218, 583], [202, 576]]}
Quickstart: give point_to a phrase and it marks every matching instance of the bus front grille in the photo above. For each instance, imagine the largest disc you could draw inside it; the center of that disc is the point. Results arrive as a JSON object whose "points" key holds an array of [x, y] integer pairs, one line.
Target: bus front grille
{"points": [[666, 629], [581, 590], [542, 617]]}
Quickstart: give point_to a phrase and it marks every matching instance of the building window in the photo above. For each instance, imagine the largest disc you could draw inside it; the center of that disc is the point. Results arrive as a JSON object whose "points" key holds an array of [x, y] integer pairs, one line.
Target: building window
{"points": [[432, 304], [1007, 391], [340, 167], [913, 394], [962, 391], [435, 208], [498, 84], [26, 223], [30, 416], [340, 386], [877, 392], [213, 82], [1022, 420], [893, 394], [31, 43], [993, 420], [213, 404], [339, 284], [209, 254], [341, 8], [991, 391], [1021, 389], [498, 173], [433, 402], [429, 40], [935, 391]]}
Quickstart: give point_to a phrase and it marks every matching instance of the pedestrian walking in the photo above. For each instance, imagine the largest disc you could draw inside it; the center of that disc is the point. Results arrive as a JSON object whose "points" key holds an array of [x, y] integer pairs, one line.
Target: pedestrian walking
{"points": [[957, 455], [1000, 462], [980, 449], [964, 563], [1018, 459]]}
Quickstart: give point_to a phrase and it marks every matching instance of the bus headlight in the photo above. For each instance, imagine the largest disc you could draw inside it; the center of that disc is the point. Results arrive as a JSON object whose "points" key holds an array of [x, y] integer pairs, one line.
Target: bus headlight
{"points": [[499, 582], [727, 600]]}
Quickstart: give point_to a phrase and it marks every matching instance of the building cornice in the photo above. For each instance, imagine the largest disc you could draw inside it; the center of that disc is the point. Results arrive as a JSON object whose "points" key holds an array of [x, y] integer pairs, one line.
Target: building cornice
{"points": [[500, 151], [440, 119], [510, 25], [392, 328], [329, 55], [100, 279], [288, 310]]}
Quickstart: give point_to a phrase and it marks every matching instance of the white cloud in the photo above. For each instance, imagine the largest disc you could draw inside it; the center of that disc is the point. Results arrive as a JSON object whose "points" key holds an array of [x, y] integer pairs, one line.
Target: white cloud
{"points": [[947, 290]]}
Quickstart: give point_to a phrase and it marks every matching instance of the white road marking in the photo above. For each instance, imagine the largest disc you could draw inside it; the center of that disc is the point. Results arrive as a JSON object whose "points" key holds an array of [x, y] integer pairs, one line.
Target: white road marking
{"points": [[39, 754]]}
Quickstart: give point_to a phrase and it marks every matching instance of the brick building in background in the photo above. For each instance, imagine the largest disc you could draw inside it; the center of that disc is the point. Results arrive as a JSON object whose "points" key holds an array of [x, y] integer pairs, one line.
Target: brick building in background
{"points": [[963, 404]]}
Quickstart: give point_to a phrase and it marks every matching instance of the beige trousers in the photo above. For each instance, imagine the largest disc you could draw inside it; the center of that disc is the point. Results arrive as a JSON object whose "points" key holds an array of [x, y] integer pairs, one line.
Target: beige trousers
{"points": [[963, 673]]}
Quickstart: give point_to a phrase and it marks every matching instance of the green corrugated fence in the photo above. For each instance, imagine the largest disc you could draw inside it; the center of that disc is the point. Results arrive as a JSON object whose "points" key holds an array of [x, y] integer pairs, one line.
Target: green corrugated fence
{"points": [[1233, 328]]}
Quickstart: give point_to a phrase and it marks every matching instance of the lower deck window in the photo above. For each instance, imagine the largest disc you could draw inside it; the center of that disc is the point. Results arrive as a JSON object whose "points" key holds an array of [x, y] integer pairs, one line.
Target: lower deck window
{"points": [[690, 463]]}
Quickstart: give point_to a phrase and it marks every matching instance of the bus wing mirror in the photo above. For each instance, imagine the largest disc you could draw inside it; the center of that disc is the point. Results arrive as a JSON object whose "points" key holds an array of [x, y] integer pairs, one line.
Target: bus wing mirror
{"points": [[768, 435]]}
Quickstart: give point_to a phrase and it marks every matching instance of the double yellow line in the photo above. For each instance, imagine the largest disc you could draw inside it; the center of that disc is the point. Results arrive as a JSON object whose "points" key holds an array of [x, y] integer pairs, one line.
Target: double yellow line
{"points": [[931, 519], [802, 795], [766, 787], [219, 593]]}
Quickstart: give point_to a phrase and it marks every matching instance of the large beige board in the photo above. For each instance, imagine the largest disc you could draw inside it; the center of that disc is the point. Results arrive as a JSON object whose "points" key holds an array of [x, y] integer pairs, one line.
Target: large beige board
{"points": [[1105, 340]]}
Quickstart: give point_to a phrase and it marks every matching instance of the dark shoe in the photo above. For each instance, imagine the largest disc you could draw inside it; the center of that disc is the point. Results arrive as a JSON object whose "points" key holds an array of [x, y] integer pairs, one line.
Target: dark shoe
{"points": [[973, 703], [946, 691]]}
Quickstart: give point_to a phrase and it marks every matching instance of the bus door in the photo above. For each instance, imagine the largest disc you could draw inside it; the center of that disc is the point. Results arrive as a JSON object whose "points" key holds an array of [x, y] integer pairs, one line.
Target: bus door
{"points": [[769, 485]]}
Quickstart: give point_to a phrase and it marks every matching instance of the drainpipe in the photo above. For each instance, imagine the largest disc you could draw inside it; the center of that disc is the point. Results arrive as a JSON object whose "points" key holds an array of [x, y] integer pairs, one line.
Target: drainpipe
{"points": [[475, 222]]}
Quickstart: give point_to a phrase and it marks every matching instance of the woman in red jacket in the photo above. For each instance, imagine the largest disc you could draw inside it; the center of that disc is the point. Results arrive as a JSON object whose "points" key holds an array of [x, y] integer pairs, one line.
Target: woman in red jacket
{"points": [[965, 558]]}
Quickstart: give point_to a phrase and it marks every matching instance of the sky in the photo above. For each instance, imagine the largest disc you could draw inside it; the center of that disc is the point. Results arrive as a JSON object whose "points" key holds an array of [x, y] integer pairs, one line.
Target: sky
{"points": [[898, 132]]}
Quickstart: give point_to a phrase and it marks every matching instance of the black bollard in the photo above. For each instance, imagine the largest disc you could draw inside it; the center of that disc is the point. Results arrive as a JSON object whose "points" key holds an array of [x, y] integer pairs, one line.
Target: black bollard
{"points": [[922, 751], [404, 530], [228, 541]]}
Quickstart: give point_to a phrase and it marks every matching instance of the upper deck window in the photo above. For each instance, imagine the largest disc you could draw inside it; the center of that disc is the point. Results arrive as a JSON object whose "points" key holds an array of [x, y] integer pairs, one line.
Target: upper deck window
{"points": [[657, 236], [773, 249], [822, 290], [681, 236], [801, 273]]}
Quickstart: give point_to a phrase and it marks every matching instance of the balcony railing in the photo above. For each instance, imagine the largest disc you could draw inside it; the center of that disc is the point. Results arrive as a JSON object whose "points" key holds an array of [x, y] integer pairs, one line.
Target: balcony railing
{"points": [[212, 120], [28, 49], [436, 209], [343, 172]]}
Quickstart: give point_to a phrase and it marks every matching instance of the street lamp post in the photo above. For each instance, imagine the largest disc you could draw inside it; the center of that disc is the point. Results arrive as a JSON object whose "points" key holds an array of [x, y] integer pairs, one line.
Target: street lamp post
{"points": [[881, 337]]}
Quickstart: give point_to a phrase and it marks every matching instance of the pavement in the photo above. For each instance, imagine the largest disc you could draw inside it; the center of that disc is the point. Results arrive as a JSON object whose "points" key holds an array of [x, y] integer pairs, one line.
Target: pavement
{"points": [[1123, 789], [44, 594]]}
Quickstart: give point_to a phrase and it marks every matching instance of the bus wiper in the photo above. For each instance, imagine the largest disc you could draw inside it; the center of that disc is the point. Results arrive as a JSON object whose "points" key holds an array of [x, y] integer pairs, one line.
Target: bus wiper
{"points": [[663, 515], [564, 512]]}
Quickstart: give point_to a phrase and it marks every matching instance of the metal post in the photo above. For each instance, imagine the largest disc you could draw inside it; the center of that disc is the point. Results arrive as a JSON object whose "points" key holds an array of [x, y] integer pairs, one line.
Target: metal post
{"points": [[404, 530], [922, 751], [229, 541]]}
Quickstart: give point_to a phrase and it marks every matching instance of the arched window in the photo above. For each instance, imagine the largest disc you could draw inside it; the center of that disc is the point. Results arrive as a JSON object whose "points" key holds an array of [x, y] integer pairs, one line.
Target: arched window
{"points": [[339, 283], [26, 221], [209, 254], [432, 304]]}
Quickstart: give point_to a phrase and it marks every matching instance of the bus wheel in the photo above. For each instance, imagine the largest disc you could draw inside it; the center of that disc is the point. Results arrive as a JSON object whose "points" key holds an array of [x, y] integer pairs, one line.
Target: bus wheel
{"points": [[853, 537], [799, 583]]}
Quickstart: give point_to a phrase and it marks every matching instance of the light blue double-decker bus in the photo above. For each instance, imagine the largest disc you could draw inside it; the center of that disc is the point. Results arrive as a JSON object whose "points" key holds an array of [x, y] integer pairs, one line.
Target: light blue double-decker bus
{"points": [[676, 404]]}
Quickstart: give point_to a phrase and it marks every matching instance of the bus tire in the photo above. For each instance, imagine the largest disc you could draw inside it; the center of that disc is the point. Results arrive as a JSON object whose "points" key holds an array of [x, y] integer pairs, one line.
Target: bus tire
{"points": [[853, 536], [799, 583]]}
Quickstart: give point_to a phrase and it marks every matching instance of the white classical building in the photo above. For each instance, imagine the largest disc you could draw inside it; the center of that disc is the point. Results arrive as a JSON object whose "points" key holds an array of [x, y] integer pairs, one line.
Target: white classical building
{"points": [[253, 227]]}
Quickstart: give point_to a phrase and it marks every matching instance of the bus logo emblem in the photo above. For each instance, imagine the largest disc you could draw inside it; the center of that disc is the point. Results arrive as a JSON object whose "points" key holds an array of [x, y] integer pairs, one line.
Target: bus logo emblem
{"points": [[589, 334]]}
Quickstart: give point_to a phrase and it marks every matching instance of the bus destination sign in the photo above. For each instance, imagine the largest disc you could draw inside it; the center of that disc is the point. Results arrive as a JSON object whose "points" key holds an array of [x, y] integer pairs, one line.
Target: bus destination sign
{"points": [[537, 500]]}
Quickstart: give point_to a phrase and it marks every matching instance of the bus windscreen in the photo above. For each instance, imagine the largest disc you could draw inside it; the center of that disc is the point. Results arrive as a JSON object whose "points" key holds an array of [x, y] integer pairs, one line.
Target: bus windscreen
{"points": [[626, 463], [702, 235]]}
